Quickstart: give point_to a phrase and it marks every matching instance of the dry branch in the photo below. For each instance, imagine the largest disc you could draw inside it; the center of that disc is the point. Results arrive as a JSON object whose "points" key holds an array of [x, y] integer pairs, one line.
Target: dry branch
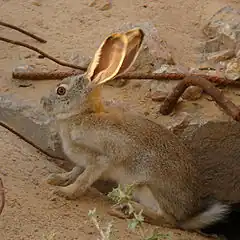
{"points": [[43, 75], [22, 31], [62, 63], [178, 76], [169, 103], [2, 196], [157, 76]]}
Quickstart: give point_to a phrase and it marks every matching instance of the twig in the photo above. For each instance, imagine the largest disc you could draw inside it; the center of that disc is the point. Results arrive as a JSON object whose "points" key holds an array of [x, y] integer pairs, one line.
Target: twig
{"points": [[147, 76], [169, 103], [178, 76], [43, 75], [2, 196], [22, 31], [62, 63]]}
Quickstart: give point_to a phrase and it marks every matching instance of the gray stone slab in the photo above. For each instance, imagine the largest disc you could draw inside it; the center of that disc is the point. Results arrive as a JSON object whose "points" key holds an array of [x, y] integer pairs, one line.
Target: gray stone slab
{"points": [[28, 120]]}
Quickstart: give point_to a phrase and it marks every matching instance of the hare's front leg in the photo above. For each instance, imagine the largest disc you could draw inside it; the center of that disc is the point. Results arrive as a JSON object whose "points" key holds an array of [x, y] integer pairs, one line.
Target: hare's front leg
{"points": [[84, 181], [64, 179]]}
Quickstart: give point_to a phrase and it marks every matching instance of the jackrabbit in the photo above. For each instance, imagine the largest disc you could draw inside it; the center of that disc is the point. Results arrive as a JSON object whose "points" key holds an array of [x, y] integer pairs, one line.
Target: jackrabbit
{"points": [[124, 147]]}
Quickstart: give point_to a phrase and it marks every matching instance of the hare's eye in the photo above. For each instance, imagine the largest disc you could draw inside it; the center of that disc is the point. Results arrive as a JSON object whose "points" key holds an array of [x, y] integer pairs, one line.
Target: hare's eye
{"points": [[61, 90]]}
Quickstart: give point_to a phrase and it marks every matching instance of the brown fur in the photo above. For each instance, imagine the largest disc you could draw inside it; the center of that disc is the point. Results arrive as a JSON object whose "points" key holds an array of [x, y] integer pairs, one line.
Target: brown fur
{"points": [[127, 148]]}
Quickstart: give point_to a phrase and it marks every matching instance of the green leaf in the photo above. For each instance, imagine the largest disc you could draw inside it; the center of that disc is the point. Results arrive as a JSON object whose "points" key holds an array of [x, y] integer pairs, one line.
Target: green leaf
{"points": [[139, 217], [92, 213], [158, 236], [132, 224]]}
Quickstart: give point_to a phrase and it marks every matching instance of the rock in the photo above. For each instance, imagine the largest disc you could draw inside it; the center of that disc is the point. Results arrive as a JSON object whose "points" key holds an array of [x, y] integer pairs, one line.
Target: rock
{"points": [[219, 56], [155, 50], [30, 122], [24, 68], [238, 50], [166, 68], [233, 69], [179, 123], [224, 30], [159, 89], [158, 96], [117, 82], [106, 6], [29, 55], [37, 3], [24, 84], [192, 93], [161, 86], [102, 5], [211, 45], [80, 59]]}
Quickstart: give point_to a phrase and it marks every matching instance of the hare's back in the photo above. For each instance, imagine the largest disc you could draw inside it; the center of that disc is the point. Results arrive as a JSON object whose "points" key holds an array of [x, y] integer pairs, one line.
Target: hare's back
{"points": [[143, 136]]}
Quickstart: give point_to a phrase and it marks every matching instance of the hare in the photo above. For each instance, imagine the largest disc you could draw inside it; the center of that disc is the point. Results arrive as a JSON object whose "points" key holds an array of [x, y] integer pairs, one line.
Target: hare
{"points": [[125, 147]]}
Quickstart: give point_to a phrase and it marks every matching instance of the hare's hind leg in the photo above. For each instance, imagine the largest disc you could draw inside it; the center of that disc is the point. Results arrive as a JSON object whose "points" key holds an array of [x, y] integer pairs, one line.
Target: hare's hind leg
{"points": [[64, 179], [152, 217], [152, 210], [144, 201]]}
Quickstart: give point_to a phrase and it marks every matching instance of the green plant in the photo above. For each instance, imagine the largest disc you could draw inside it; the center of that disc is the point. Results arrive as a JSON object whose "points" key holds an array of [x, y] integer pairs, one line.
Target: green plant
{"points": [[105, 232], [122, 196], [50, 236]]}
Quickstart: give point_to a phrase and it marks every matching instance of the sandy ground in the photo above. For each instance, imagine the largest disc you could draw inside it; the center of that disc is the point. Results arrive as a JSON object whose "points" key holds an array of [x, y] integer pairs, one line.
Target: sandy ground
{"points": [[72, 27]]}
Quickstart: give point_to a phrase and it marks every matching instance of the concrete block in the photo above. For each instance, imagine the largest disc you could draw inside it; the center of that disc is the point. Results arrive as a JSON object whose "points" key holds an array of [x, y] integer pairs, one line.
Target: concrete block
{"points": [[29, 121]]}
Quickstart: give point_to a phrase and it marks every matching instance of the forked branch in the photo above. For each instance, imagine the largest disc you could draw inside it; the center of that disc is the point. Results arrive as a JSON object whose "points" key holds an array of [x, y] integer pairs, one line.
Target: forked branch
{"points": [[62, 63], [22, 31], [228, 106]]}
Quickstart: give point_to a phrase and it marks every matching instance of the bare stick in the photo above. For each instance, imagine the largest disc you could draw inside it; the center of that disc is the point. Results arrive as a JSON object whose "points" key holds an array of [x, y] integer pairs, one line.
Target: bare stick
{"points": [[2, 196], [178, 76], [62, 63], [43, 75], [169, 103], [22, 31], [147, 76]]}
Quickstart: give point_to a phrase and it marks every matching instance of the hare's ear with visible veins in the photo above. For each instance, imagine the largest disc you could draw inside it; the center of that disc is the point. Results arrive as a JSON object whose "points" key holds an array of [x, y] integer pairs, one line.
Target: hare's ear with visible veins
{"points": [[108, 59], [135, 38]]}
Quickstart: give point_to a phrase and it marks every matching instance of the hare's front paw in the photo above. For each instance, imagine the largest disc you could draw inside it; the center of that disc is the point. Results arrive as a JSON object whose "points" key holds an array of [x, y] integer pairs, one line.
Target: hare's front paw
{"points": [[59, 179], [64, 179], [69, 192]]}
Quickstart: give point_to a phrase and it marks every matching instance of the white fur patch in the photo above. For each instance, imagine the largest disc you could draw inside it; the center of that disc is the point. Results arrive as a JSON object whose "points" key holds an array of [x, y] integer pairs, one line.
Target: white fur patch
{"points": [[214, 213]]}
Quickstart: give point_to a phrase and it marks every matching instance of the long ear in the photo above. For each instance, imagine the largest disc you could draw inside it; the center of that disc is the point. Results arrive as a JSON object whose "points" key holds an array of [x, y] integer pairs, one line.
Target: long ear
{"points": [[135, 38], [108, 59]]}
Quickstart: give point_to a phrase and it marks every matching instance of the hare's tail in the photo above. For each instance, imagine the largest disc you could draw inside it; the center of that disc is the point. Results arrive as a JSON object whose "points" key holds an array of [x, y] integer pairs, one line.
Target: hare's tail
{"points": [[214, 213]]}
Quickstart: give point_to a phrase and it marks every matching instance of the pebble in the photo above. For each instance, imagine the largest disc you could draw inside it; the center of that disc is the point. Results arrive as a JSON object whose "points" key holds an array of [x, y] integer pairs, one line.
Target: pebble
{"points": [[192, 93]]}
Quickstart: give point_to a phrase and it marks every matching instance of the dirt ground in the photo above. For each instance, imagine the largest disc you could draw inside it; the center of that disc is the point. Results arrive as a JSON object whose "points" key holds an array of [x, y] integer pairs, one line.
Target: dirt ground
{"points": [[71, 27]]}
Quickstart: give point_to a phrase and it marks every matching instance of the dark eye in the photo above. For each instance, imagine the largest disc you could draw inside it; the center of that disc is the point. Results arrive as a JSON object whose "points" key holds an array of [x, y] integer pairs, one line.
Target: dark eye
{"points": [[61, 90]]}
